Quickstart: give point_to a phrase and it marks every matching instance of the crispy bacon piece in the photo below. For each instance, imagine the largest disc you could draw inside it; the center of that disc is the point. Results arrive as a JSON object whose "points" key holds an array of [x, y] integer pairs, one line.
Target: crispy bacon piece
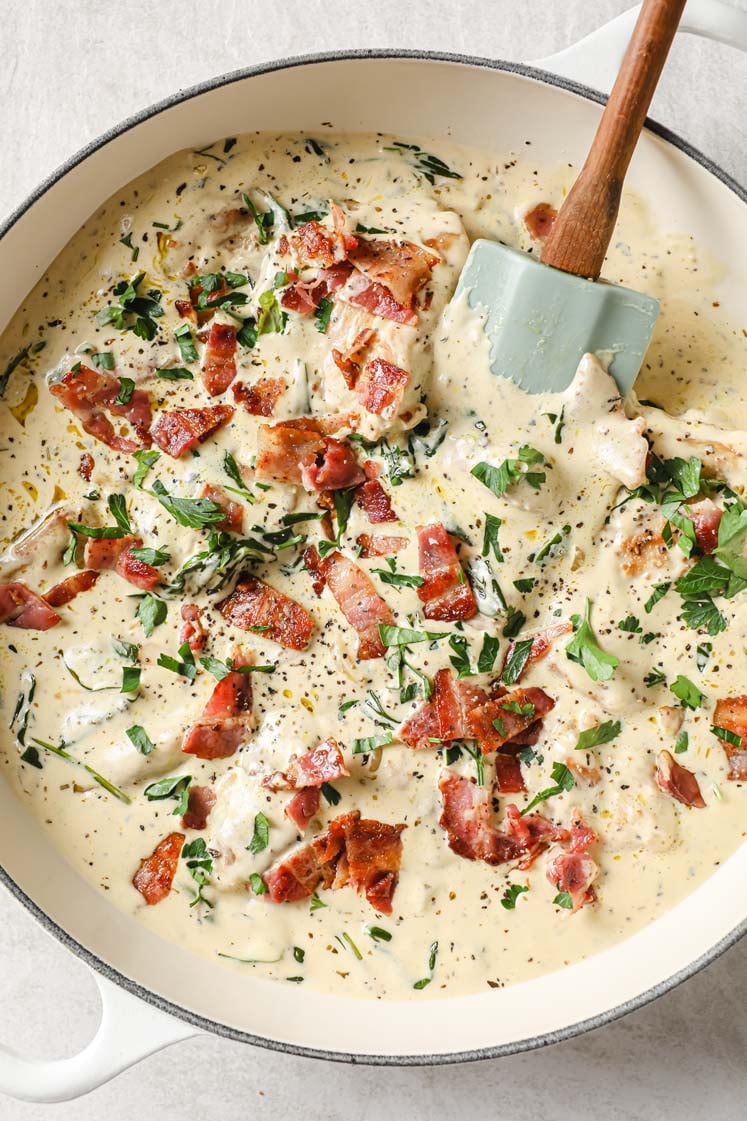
{"points": [[226, 717], [674, 779], [542, 643], [573, 872], [68, 589], [179, 430], [508, 776], [446, 716], [22, 607], [399, 266], [582, 835], [186, 310], [377, 300], [155, 875], [105, 552], [540, 220], [372, 498], [314, 244], [466, 818], [219, 369], [303, 806], [349, 364], [362, 853], [86, 466], [137, 572], [706, 518], [501, 720], [731, 714], [312, 562], [254, 605], [193, 632], [261, 398], [359, 602], [324, 764], [381, 386], [283, 448], [334, 468], [91, 394], [379, 544], [234, 519], [200, 803], [445, 591]]}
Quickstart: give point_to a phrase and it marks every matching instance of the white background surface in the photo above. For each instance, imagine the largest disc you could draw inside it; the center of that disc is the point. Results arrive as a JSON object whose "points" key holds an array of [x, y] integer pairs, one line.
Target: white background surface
{"points": [[69, 69]]}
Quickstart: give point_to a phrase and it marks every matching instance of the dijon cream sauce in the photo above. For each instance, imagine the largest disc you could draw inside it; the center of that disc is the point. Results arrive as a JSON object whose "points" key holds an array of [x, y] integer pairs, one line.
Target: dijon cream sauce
{"points": [[652, 850]]}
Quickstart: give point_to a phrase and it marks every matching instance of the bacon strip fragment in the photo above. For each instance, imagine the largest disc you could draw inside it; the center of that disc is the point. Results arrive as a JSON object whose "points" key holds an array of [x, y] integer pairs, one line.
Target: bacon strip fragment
{"points": [[504, 719], [324, 764], [334, 468], [303, 806], [446, 716], [254, 605], [226, 717], [283, 448], [359, 602], [179, 430], [372, 498], [219, 369], [116, 552], [200, 803], [402, 267], [540, 220], [445, 590], [66, 591], [467, 820], [379, 545], [365, 854], [21, 607], [261, 398], [349, 364], [573, 872], [381, 386], [731, 715], [193, 632], [91, 394], [674, 779], [155, 875], [706, 518]]}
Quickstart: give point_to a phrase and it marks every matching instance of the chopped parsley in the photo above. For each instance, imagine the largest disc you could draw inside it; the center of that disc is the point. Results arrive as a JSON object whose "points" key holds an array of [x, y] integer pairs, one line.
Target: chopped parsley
{"points": [[177, 786], [135, 310], [563, 781], [511, 894], [140, 739], [261, 834], [499, 479], [602, 733], [688, 694], [586, 651]]}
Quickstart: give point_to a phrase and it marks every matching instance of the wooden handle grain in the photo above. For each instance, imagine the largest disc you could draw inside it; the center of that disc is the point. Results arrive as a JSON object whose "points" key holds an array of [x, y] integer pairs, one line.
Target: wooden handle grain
{"points": [[583, 228]]}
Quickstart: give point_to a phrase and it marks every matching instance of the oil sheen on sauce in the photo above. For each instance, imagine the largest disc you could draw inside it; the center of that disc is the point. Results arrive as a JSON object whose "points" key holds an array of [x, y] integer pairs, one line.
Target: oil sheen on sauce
{"points": [[652, 850]]}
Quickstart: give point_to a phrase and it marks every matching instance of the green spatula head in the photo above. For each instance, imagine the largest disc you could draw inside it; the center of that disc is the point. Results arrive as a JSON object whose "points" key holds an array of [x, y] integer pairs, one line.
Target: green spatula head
{"points": [[541, 321]]}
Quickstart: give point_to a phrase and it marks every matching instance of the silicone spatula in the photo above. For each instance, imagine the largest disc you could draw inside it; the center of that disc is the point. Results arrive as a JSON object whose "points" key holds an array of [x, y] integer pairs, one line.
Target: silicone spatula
{"points": [[542, 315]]}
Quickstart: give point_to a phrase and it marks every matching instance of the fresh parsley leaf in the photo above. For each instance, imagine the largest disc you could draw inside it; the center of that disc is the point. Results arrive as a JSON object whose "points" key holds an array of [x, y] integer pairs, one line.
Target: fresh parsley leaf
{"points": [[378, 933], [151, 612], [127, 240], [145, 460], [490, 541], [515, 620], [654, 677], [602, 733], [154, 557], [140, 739], [425, 981], [563, 899], [681, 743], [174, 373], [263, 220], [404, 636], [550, 545], [200, 865], [323, 313], [261, 835], [702, 654], [660, 590], [135, 311], [194, 513], [185, 342], [332, 795], [184, 665], [516, 661], [488, 654], [460, 657], [499, 479], [258, 885], [688, 694], [105, 361], [702, 612], [130, 679], [128, 650], [371, 743], [177, 786], [511, 894], [272, 319], [126, 390], [586, 651], [630, 624], [398, 579], [231, 468], [316, 903], [563, 782], [726, 735], [525, 585]]}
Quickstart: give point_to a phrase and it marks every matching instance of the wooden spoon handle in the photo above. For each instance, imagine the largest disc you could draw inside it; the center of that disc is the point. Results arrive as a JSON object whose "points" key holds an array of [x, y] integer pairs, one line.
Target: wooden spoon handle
{"points": [[583, 228]]}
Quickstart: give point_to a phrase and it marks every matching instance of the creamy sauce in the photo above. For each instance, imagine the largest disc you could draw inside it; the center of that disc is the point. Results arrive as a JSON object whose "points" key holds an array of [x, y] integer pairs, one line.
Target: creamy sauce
{"points": [[652, 850]]}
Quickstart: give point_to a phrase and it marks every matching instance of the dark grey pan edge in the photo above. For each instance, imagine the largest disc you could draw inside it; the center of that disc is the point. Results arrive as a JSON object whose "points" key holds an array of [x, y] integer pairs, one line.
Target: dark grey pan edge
{"points": [[498, 1051]]}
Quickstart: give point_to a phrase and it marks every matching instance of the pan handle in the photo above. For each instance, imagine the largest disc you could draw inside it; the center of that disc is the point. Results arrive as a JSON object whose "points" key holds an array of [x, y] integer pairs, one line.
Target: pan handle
{"points": [[129, 1030], [595, 60]]}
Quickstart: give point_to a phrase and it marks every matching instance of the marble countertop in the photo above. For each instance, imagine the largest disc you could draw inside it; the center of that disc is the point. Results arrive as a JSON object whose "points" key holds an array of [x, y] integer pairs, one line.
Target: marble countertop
{"points": [[70, 70]]}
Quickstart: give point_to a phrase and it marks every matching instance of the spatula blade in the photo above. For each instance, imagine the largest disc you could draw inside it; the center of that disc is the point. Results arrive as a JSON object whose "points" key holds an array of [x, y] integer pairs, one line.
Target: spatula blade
{"points": [[540, 321]]}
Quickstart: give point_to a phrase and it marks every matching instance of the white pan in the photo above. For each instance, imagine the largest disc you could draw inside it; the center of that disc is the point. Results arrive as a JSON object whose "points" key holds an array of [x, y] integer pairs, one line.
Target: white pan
{"points": [[155, 993]]}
